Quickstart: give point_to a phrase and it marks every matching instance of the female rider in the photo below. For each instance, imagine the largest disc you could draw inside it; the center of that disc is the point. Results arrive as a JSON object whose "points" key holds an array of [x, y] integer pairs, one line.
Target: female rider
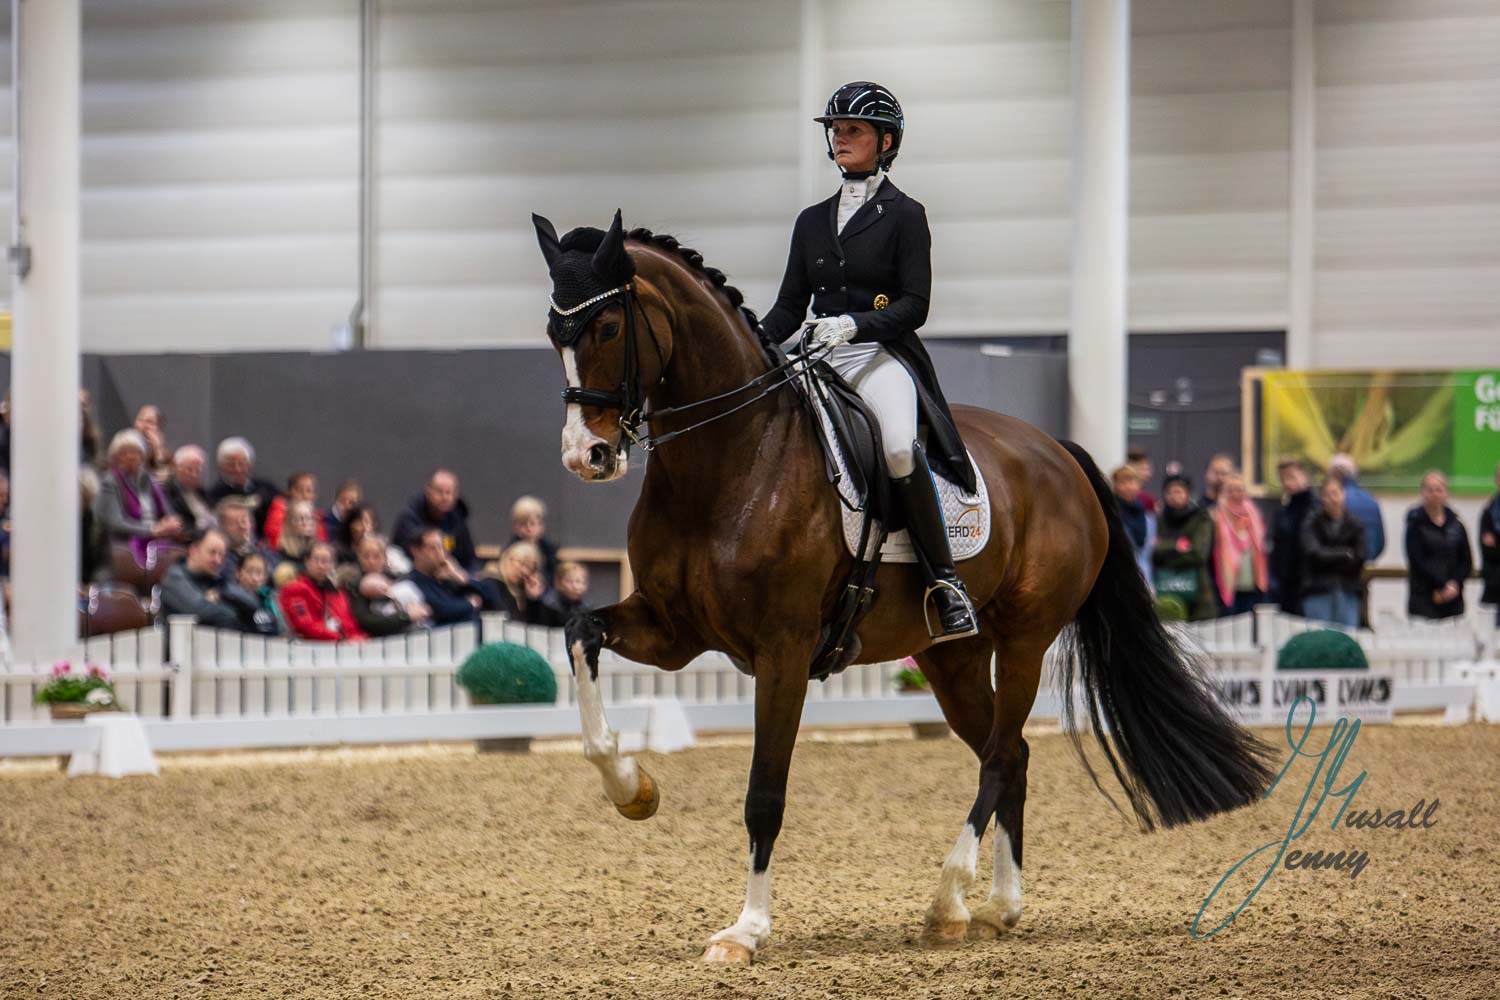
{"points": [[863, 259]]}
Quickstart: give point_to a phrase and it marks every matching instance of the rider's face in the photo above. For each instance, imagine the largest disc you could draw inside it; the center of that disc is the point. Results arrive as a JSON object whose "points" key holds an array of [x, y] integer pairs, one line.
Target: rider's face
{"points": [[853, 144]]}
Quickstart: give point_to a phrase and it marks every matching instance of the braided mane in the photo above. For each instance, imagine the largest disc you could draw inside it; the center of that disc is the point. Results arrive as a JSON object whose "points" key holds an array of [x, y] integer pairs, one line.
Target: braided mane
{"points": [[694, 260]]}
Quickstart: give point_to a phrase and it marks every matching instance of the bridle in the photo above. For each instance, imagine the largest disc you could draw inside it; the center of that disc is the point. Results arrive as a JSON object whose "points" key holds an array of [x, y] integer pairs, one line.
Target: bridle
{"points": [[630, 397]]}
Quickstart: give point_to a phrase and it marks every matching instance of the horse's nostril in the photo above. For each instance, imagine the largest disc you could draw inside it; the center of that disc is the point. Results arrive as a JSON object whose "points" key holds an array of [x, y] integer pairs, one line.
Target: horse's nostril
{"points": [[598, 456]]}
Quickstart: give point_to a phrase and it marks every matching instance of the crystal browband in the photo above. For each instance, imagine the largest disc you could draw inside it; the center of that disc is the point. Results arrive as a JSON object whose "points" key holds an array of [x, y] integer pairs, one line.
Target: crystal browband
{"points": [[585, 304]]}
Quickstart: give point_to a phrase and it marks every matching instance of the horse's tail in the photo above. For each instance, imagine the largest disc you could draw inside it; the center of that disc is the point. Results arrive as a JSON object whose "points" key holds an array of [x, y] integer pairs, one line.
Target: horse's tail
{"points": [[1173, 747]]}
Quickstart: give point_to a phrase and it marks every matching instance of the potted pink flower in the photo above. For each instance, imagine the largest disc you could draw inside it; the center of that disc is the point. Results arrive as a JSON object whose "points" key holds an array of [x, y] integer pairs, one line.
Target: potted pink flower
{"points": [[72, 696]]}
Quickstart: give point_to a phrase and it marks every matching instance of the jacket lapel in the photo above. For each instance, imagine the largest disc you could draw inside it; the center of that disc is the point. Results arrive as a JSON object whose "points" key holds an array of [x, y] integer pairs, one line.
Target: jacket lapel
{"points": [[833, 223], [871, 211]]}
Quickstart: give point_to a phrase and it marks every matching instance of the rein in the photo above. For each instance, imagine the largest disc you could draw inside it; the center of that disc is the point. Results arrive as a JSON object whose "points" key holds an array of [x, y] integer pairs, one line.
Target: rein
{"points": [[629, 398]]}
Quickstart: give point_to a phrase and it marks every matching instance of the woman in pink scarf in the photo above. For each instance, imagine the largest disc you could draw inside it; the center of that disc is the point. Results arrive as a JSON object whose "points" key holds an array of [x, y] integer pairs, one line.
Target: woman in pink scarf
{"points": [[1239, 548]]}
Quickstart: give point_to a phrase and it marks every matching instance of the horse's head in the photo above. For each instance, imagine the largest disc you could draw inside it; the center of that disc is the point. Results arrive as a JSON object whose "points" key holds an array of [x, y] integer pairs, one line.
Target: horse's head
{"points": [[611, 351]]}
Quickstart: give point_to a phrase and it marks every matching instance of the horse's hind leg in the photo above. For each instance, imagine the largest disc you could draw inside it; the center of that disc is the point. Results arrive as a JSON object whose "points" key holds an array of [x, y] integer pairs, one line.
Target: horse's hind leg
{"points": [[959, 673], [1018, 673]]}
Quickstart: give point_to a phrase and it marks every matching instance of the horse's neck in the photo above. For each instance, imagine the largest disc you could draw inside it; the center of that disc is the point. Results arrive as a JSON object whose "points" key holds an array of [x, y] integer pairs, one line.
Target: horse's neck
{"points": [[712, 355]]}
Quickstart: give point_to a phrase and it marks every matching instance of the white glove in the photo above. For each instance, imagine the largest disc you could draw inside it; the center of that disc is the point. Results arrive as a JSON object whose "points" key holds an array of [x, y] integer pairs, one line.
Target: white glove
{"points": [[832, 331]]}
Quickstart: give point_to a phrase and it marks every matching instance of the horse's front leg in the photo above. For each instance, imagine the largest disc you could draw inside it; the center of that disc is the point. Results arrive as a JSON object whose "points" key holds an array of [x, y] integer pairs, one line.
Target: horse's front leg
{"points": [[631, 629], [780, 687]]}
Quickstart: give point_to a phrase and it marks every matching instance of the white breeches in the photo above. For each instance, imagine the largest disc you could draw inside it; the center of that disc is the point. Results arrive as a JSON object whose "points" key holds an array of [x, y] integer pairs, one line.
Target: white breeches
{"points": [[883, 383]]}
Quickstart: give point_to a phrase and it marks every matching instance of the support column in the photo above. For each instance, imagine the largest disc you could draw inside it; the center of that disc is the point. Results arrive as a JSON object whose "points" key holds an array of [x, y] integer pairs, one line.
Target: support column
{"points": [[1101, 161], [44, 355], [813, 168], [1301, 221]]}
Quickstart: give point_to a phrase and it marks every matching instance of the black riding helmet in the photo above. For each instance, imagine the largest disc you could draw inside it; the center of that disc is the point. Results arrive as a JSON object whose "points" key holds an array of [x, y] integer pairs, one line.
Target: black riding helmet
{"points": [[867, 102]]}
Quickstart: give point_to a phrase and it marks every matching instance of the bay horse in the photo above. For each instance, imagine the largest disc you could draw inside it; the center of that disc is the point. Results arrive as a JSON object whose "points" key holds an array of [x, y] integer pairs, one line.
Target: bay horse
{"points": [[736, 544]]}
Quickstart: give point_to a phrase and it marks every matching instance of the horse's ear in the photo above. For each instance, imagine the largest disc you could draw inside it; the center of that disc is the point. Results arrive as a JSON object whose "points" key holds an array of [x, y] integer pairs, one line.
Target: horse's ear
{"points": [[546, 235], [610, 260]]}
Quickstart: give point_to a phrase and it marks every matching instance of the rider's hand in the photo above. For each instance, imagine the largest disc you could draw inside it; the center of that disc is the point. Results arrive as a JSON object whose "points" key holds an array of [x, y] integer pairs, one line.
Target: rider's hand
{"points": [[832, 331]]}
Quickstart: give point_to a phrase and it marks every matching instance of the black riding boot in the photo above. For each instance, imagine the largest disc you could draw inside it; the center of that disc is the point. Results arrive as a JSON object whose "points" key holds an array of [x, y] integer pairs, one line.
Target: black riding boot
{"points": [[929, 535]]}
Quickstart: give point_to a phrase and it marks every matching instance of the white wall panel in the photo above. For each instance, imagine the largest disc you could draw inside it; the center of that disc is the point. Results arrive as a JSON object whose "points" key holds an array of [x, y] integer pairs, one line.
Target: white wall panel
{"points": [[986, 91], [220, 163], [1408, 183], [682, 114]]}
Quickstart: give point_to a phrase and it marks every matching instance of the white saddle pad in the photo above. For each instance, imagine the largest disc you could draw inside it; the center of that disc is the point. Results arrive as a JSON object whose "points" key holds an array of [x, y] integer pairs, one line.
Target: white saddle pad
{"points": [[967, 517]]}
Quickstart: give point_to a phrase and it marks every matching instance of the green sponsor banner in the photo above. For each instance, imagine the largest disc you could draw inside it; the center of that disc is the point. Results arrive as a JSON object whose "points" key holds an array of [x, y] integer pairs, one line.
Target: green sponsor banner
{"points": [[1395, 424], [1476, 431]]}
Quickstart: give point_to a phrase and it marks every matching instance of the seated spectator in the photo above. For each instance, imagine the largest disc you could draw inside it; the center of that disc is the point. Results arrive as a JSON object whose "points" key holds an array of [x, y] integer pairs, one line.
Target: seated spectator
{"points": [[1239, 548], [1141, 461], [238, 527], [264, 614], [528, 523], [194, 587], [159, 458], [184, 491], [356, 526], [312, 605], [299, 486], [1489, 549], [1333, 552], [131, 506], [439, 507], [1139, 525], [349, 498], [298, 535], [1438, 559], [1286, 536], [446, 589], [377, 606], [95, 563], [1179, 559], [521, 585], [236, 460], [1360, 503], [566, 598]]}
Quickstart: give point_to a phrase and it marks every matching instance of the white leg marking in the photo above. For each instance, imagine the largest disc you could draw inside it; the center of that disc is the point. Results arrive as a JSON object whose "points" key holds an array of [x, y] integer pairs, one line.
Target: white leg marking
{"points": [[622, 778], [1006, 888], [753, 928], [958, 875], [1003, 909]]}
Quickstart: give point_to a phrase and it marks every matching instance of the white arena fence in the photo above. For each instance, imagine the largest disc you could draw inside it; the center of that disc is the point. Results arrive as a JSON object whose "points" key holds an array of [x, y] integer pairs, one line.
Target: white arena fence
{"points": [[221, 689]]}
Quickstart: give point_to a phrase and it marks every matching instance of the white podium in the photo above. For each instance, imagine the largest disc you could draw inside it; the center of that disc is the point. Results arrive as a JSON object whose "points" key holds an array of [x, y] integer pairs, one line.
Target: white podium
{"points": [[123, 748]]}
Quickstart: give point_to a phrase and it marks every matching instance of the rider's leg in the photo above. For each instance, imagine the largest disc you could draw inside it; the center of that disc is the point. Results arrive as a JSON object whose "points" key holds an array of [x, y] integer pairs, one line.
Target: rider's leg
{"points": [[885, 384]]}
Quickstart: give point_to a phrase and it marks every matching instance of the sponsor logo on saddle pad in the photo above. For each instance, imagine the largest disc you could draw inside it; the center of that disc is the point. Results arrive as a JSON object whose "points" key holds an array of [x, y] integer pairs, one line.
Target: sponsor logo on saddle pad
{"points": [[1348, 857], [969, 525]]}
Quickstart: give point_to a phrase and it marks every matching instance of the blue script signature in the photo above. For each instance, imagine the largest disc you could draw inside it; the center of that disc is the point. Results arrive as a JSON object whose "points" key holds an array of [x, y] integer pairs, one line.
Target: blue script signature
{"points": [[1330, 762]]}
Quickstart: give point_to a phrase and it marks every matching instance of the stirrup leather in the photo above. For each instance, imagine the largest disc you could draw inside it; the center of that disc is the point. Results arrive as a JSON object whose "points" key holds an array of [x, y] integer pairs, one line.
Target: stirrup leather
{"points": [[963, 595]]}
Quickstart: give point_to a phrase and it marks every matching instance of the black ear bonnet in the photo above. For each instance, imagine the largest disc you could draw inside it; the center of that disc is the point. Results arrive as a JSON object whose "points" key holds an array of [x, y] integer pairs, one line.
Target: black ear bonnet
{"points": [[589, 270]]}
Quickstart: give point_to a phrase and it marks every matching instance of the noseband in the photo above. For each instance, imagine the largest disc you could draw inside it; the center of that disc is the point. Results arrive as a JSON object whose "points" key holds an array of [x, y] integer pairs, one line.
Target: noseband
{"points": [[630, 397]]}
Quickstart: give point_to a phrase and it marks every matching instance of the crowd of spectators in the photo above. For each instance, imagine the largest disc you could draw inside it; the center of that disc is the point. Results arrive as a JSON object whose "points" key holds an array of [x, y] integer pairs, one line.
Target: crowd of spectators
{"points": [[1217, 556], [244, 554]]}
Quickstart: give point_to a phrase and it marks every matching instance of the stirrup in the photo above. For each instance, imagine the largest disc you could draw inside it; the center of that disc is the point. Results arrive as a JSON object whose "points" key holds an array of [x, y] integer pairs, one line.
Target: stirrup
{"points": [[963, 595]]}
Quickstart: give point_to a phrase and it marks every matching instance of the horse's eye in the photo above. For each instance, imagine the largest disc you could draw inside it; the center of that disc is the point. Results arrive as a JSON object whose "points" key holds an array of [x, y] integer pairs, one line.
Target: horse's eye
{"points": [[608, 332]]}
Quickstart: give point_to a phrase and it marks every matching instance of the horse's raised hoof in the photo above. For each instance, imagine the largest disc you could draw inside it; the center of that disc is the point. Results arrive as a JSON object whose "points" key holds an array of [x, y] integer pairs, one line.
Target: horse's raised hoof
{"points": [[944, 933], [643, 806], [993, 919], [727, 953]]}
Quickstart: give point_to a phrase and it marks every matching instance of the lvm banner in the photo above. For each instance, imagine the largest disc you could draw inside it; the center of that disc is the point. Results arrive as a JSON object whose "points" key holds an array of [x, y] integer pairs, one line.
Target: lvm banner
{"points": [[1395, 424], [1263, 699]]}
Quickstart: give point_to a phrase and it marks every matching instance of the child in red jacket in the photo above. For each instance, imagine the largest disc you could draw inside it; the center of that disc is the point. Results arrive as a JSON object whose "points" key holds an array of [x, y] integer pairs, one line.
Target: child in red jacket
{"points": [[313, 606]]}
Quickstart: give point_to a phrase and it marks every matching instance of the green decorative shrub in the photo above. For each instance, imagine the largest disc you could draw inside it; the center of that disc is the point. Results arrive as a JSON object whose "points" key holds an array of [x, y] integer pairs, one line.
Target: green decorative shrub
{"points": [[503, 673], [1321, 649], [1171, 609]]}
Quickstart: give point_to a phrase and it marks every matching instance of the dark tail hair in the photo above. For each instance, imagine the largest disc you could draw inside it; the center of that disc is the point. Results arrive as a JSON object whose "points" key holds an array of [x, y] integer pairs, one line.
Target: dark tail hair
{"points": [[1176, 751]]}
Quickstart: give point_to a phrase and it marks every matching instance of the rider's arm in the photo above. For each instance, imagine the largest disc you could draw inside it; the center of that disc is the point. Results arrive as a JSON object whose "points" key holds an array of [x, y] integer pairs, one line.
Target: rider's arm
{"points": [[908, 308], [786, 316]]}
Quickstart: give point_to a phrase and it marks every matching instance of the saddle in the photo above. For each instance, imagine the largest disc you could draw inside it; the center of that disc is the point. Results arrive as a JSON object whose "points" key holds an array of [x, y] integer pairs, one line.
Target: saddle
{"points": [[854, 461]]}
